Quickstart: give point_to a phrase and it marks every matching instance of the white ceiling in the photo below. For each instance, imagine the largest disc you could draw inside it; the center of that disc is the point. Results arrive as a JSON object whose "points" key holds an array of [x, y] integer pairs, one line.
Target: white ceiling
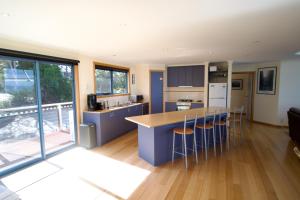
{"points": [[158, 31]]}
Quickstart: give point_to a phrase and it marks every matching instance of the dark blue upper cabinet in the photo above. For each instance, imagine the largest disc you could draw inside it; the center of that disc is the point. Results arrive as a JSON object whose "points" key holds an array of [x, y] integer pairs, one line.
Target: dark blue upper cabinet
{"points": [[172, 74], [186, 76], [181, 76], [198, 76], [189, 75]]}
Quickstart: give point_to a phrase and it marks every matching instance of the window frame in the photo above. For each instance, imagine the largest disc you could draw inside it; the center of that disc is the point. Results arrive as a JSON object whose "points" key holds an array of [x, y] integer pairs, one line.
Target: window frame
{"points": [[111, 68]]}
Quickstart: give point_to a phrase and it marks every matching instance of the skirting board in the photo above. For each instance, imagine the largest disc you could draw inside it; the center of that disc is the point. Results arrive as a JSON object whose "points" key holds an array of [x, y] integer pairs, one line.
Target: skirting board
{"points": [[269, 124]]}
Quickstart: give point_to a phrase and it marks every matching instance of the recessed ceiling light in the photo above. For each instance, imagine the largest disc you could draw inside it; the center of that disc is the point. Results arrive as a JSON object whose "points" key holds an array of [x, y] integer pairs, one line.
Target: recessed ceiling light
{"points": [[297, 53]]}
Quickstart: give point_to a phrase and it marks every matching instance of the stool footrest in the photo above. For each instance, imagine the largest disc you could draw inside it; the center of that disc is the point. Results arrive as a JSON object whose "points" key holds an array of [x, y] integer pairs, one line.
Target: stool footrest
{"points": [[180, 153]]}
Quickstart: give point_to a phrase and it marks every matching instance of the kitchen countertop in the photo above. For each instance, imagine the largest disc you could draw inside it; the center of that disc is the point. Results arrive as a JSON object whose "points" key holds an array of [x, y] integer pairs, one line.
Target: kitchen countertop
{"points": [[116, 108], [161, 119]]}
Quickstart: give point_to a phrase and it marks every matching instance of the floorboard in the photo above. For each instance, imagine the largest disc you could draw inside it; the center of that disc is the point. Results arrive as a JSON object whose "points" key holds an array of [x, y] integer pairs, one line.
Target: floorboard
{"points": [[260, 166]]}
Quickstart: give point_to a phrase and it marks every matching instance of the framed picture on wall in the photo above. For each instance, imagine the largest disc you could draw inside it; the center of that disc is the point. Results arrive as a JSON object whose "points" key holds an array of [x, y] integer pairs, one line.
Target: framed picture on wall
{"points": [[266, 80], [133, 79], [237, 84]]}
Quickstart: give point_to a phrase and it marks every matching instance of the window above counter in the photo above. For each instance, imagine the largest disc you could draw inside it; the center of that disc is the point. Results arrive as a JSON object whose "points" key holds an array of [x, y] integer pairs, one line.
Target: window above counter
{"points": [[111, 80]]}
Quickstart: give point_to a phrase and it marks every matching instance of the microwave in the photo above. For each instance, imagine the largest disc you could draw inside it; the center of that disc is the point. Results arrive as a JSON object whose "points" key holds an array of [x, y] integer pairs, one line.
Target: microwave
{"points": [[137, 98]]}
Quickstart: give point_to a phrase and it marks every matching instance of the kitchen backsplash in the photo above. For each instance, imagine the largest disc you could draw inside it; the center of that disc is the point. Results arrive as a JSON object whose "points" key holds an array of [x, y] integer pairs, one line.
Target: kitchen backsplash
{"points": [[112, 101], [174, 96]]}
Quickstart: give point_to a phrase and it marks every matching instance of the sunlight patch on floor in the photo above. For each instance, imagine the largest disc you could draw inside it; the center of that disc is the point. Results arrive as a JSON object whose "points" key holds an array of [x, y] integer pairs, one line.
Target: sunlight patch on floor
{"points": [[62, 185], [119, 178], [77, 174], [30, 175]]}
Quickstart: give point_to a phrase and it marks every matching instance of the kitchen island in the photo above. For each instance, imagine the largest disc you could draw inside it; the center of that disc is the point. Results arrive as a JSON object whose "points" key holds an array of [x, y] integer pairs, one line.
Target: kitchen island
{"points": [[155, 132]]}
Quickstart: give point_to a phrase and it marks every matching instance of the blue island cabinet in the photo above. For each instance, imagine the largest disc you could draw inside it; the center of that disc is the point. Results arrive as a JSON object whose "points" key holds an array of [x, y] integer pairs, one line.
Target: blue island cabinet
{"points": [[155, 133], [112, 124], [197, 105], [170, 106]]}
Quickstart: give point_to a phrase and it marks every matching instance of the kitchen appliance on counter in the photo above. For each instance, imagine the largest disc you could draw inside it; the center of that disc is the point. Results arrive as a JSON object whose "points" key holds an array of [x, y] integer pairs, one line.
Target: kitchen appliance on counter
{"points": [[217, 95], [136, 98], [139, 98], [92, 102], [100, 106], [183, 104]]}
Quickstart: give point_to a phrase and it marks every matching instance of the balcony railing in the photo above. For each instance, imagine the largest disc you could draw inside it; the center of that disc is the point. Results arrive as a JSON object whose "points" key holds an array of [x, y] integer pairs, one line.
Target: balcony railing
{"points": [[56, 117]]}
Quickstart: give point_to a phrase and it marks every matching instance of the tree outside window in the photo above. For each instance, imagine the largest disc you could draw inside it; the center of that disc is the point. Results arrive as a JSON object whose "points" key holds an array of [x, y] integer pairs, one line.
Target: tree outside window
{"points": [[111, 81]]}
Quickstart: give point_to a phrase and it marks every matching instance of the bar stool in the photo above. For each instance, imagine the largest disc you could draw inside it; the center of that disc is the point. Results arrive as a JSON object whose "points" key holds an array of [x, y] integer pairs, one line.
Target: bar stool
{"points": [[221, 124], [237, 119], [206, 128], [184, 132]]}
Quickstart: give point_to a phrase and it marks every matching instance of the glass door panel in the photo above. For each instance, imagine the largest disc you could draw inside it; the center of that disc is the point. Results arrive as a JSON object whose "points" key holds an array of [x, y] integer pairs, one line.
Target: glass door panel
{"points": [[56, 83], [19, 130]]}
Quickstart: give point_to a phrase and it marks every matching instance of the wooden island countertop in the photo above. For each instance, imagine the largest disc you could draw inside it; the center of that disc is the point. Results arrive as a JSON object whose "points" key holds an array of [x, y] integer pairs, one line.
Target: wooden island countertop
{"points": [[166, 118]]}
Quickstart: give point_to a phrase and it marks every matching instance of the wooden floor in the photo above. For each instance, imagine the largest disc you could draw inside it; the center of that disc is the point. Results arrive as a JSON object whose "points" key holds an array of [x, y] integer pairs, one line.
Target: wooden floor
{"points": [[262, 166]]}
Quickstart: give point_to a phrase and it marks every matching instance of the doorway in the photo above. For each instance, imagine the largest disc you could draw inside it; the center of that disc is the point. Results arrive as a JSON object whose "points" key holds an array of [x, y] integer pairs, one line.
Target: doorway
{"points": [[156, 91], [243, 95]]}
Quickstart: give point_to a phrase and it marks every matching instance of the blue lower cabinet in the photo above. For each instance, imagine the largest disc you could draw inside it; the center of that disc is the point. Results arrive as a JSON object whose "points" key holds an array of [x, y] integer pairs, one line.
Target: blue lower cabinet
{"points": [[170, 106], [145, 108], [140, 109], [197, 105], [118, 123], [110, 125]]}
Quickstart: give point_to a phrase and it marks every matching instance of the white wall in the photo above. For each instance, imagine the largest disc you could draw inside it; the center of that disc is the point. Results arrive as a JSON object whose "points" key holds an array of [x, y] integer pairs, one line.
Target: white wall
{"points": [[142, 77], [240, 97], [265, 107], [289, 95]]}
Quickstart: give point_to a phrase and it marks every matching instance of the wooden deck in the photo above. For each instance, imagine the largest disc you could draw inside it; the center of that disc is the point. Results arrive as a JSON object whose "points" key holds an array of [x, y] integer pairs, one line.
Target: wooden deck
{"points": [[18, 150]]}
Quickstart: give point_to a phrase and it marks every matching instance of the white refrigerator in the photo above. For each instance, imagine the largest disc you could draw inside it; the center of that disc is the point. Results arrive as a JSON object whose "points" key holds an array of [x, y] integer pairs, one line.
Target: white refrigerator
{"points": [[217, 95]]}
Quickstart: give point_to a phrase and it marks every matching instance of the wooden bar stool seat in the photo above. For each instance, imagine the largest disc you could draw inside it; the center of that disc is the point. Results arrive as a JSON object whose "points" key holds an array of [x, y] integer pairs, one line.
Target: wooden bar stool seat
{"points": [[221, 123], [236, 120], [188, 131], [183, 132], [207, 126]]}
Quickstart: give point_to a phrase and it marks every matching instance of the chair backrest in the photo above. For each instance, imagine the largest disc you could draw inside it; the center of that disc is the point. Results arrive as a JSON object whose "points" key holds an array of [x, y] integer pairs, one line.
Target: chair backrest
{"points": [[223, 116], [238, 113], [189, 119], [210, 117]]}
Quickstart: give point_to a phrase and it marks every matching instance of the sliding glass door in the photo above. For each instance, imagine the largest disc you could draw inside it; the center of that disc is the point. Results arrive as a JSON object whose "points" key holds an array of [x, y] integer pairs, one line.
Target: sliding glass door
{"points": [[37, 111], [19, 130], [56, 82]]}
